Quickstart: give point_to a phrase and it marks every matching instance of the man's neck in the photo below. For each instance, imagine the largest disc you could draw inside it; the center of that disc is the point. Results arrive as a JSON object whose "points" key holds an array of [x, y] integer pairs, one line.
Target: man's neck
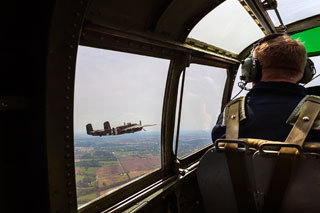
{"points": [[279, 80]]}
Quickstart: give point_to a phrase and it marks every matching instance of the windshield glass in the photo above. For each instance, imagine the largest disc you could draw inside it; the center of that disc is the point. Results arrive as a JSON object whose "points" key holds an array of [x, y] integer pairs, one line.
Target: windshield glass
{"points": [[294, 10], [219, 27]]}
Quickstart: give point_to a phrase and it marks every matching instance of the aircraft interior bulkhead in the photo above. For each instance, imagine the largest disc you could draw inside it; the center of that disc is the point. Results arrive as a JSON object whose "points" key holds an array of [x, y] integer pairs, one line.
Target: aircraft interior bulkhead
{"points": [[160, 72]]}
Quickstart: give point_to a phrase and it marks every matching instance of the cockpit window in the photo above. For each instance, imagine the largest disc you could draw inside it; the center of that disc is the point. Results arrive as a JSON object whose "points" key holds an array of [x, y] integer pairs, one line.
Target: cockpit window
{"points": [[117, 119], [294, 10], [316, 81], [201, 105], [219, 27]]}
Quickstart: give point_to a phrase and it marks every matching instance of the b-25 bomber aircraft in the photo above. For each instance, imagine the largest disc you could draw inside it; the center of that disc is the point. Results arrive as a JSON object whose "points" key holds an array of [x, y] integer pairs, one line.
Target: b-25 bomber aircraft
{"points": [[119, 130]]}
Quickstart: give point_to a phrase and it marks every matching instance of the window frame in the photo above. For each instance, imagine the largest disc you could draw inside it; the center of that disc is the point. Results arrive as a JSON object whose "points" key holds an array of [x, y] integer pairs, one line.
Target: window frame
{"points": [[231, 70]]}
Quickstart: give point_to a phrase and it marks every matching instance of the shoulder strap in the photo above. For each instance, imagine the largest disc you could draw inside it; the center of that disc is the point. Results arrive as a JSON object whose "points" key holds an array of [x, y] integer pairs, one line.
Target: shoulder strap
{"points": [[287, 156], [237, 162], [242, 114]]}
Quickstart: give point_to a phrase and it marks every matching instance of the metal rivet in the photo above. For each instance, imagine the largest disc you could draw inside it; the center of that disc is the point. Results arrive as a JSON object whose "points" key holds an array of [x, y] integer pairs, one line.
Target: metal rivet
{"points": [[68, 77], [68, 165], [306, 118], [77, 14], [67, 107], [67, 117], [71, 46], [67, 97], [233, 117], [101, 37], [68, 155], [69, 67], [70, 57], [68, 146], [67, 137], [67, 127]]}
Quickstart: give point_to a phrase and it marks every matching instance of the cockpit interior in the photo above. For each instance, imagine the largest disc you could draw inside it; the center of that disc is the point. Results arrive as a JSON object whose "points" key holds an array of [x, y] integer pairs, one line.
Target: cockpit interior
{"points": [[174, 64]]}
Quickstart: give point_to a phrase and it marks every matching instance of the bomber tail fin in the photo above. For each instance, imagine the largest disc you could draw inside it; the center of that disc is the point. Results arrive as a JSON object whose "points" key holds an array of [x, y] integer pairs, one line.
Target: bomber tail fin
{"points": [[89, 129], [107, 127]]}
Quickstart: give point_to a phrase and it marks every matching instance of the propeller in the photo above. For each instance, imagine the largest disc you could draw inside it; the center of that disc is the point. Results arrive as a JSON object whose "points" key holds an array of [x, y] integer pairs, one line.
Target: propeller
{"points": [[149, 125]]}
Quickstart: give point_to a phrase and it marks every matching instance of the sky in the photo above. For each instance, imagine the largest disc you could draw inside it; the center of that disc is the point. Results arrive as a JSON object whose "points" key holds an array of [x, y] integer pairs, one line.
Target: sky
{"points": [[121, 87], [293, 10], [219, 27], [202, 96], [118, 87]]}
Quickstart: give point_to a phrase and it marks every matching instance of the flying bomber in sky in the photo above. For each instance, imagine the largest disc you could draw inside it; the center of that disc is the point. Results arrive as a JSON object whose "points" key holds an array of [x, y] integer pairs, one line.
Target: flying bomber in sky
{"points": [[119, 130]]}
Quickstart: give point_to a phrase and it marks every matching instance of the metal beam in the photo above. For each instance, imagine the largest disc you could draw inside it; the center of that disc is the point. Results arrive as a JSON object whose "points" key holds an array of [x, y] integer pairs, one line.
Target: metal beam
{"points": [[257, 12], [304, 24]]}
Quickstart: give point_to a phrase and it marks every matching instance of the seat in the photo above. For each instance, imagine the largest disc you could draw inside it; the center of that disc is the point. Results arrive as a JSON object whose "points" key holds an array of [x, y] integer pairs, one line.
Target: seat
{"points": [[215, 181]]}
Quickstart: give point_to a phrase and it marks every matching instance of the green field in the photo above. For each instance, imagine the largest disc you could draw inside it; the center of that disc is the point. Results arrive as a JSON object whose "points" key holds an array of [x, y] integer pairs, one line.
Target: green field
{"points": [[86, 198]]}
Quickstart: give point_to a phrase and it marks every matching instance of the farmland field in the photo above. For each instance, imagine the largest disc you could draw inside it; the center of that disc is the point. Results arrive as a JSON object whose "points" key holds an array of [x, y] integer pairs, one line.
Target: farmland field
{"points": [[103, 164]]}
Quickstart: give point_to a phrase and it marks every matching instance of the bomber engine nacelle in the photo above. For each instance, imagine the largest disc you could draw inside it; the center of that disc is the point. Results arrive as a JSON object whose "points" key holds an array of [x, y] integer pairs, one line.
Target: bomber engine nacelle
{"points": [[89, 129]]}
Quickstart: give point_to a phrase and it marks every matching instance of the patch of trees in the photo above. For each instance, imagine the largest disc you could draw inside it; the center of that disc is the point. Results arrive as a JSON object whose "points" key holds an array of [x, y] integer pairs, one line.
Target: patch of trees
{"points": [[89, 163], [105, 155]]}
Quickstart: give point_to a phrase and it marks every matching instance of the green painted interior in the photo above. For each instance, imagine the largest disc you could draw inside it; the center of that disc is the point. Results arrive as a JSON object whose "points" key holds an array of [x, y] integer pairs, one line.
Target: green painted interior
{"points": [[311, 40]]}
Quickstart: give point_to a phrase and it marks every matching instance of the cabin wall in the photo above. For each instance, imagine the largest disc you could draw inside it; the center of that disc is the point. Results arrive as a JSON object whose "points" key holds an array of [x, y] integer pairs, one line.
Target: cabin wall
{"points": [[22, 123]]}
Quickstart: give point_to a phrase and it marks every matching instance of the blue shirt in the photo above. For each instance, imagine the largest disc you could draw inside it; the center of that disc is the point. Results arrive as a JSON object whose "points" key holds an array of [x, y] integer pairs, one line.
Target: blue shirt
{"points": [[268, 106]]}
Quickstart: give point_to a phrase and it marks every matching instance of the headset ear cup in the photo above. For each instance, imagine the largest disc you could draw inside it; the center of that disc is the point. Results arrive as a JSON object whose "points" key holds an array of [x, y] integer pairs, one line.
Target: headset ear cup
{"points": [[257, 70], [246, 69], [250, 70], [309, 72]]}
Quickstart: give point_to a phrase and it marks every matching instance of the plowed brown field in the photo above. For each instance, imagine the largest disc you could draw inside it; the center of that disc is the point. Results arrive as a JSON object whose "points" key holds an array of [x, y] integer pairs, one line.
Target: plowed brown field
{"points": [[109, 170], [139, 163]]}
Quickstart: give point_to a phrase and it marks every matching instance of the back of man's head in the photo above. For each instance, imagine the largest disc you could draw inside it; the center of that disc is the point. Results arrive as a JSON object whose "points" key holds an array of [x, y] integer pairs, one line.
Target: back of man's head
{"points": [[281, 58]]}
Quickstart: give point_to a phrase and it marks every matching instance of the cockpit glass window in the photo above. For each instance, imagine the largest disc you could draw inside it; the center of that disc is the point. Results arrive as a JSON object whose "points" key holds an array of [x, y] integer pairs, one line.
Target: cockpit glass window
{"points": [[237, 91], [220, 26], [117, 119], [316, 81], [294, 10], [201, 105], [311, 40]]}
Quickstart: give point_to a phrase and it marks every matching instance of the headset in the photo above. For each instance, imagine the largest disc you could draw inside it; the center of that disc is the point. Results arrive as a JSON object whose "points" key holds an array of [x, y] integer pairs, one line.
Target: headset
{"points": [[251, 70]]}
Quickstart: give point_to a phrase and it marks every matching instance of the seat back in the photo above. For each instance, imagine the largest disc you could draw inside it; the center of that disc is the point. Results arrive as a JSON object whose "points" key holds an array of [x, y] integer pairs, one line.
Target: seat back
{"points": [[303, 189], [215, 181]]}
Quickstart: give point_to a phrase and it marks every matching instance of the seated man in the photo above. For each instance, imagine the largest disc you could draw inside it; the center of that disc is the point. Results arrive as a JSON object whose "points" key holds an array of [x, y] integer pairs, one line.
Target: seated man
{"points": [[276, 94]]}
